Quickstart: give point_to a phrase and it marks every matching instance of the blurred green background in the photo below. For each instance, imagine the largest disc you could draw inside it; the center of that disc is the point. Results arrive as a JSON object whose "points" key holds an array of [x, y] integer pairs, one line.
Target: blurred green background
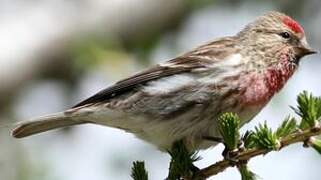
{"points": [[56, 53]]}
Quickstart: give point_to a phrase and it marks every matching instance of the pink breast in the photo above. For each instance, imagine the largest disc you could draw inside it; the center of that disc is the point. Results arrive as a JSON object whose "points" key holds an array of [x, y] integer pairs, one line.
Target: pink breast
{"points": [[259, 88]]}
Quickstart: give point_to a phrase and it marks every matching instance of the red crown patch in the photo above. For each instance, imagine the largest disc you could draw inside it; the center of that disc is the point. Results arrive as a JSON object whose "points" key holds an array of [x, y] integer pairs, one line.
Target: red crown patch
{"points": [[293, 25]]}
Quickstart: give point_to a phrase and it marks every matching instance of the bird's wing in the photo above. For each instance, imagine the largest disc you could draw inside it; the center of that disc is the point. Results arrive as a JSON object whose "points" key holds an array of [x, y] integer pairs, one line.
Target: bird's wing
{"points": [[191, 61], [174, 66]]}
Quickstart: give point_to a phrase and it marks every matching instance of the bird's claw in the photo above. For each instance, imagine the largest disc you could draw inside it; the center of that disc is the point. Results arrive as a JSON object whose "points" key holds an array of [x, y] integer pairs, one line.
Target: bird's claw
{"points": [[231, 155]]}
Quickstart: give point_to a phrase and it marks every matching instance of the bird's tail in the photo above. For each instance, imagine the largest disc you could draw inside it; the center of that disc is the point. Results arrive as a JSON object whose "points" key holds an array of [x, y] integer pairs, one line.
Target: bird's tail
{"points": [[43, 124]]}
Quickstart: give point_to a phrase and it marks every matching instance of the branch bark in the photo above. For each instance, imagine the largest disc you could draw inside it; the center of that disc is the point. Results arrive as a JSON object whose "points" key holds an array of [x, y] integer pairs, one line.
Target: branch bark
{"points": [[300, 136]]}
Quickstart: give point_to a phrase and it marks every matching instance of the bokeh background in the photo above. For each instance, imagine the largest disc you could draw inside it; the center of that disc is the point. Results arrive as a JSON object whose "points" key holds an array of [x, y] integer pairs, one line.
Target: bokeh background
{"points": [[55, 53]]}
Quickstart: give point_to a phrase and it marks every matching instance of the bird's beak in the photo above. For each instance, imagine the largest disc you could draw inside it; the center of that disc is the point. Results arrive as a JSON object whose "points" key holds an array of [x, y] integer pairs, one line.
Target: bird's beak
{"points": [[304, 49], [307, 51]]}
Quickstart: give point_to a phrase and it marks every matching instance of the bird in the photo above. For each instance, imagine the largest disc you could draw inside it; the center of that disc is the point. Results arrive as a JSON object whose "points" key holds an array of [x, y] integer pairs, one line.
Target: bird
{"points": [[182, 98]]}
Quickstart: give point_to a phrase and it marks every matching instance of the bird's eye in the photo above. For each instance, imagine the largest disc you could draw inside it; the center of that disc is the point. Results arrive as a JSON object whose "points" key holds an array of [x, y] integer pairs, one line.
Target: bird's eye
{"points": [[285, 35]]}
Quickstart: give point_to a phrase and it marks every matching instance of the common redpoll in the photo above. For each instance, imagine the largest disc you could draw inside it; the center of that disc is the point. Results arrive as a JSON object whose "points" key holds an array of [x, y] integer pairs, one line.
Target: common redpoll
{"points": [[182, 98]]}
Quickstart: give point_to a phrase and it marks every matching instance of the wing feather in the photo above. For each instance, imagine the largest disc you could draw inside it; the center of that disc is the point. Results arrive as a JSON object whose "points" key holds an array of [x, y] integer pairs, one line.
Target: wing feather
{"points": [[156, 72], [191, 61]]}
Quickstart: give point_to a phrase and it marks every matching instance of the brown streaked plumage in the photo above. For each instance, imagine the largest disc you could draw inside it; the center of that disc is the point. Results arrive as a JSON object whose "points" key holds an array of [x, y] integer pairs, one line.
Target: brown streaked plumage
{"points": [[191, 61], [182, 98]]}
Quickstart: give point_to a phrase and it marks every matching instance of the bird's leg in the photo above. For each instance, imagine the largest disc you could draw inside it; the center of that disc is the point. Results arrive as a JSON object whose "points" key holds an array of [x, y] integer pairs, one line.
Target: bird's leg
{"points": [[231, 155], [228, 154]]}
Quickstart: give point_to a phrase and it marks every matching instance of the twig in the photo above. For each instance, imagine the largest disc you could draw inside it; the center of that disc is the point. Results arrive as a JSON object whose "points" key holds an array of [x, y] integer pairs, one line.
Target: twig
{"points": [[300, 136]]}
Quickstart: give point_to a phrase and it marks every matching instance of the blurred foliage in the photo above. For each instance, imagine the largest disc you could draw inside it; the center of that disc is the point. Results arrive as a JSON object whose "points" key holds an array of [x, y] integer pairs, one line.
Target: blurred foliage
{"points": [[30, 171], [246, 173], [138, 171], [143, 45], [182, 160], [91, 51]]}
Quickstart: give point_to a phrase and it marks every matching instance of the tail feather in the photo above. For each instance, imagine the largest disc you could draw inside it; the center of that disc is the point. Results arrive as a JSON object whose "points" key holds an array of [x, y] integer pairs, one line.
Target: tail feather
{"points": [[43, 124]]}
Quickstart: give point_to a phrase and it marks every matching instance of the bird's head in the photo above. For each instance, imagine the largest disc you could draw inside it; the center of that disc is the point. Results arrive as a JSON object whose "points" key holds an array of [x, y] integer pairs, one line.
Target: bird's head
{"points": [[274, 37]]}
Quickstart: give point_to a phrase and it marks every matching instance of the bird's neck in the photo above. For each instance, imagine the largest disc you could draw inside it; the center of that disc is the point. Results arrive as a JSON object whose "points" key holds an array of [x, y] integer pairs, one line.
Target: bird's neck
{"points": [[260, 87]]}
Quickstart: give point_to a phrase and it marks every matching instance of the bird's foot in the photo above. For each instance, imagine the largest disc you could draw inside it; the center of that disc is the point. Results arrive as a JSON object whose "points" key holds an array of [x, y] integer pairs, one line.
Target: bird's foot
{"points": [[231, 155]]}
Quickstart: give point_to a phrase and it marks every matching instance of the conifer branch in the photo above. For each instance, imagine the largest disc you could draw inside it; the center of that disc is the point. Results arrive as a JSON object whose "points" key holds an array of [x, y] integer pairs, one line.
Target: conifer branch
{"points": [[300, 136], [138, 171]]}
